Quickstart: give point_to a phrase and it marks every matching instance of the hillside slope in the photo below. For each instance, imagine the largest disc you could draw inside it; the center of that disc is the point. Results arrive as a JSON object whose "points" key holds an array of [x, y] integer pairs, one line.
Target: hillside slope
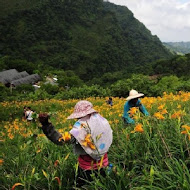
{"points": [[86, 36], [8, 7]]}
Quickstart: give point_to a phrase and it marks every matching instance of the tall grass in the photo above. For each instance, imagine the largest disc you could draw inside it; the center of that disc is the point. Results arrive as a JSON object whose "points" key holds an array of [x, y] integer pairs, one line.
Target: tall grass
{"points": [[156, 158]]}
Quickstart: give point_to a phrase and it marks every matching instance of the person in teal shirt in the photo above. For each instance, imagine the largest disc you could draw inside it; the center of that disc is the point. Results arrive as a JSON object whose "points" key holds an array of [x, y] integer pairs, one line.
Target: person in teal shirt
{"points": [[133, 101]]}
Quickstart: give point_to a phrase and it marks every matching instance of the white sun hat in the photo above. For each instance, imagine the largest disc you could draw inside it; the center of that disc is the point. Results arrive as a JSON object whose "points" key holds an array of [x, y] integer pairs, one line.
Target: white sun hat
{"points": [[134, 94]]}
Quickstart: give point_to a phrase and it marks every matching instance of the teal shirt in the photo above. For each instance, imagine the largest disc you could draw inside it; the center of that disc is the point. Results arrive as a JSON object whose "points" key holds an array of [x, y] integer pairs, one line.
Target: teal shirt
{"points": [[127, 107]]}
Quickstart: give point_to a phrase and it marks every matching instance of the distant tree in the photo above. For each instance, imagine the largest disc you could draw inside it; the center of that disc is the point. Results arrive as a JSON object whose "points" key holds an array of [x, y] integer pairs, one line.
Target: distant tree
{"points": [[19, 64], [138, 82], [167, 84], [50, 89], [4, 92], [24, 89], [69, 79]]}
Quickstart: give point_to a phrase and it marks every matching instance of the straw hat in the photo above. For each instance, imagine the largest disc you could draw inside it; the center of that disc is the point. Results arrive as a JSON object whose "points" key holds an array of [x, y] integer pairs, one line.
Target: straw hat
{"points": [[81, 109], [134, 94]]}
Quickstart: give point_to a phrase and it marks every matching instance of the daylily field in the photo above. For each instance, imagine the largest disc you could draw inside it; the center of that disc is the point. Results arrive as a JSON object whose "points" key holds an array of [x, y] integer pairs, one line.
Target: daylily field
{"points": [[152, 154]]}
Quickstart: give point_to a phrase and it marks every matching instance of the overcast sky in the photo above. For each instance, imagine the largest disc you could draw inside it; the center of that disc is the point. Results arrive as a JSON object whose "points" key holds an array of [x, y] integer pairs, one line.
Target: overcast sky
{"points": [[168, 19]]}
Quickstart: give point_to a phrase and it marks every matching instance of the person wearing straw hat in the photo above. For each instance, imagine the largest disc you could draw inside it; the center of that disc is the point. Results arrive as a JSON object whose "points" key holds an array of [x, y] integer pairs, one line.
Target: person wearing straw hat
{"points": [[133, 101], [91, 137]]}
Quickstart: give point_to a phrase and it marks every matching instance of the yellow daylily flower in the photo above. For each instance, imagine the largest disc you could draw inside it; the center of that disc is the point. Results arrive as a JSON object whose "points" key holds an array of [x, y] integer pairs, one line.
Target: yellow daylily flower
{"points": [[138, 128], [158, 115], [88, 142]]}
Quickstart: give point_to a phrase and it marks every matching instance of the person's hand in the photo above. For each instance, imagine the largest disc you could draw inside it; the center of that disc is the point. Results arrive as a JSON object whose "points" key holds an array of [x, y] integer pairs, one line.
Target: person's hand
{"points": [[43, 118]]}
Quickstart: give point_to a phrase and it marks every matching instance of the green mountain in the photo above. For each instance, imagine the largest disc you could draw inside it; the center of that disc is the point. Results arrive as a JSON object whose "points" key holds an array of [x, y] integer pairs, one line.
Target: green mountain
{"points": [[178, 47], [90, 37], [10, 6]]}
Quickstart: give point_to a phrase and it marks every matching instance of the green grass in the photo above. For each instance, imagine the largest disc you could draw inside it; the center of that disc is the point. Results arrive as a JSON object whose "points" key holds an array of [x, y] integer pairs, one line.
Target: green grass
{"points": [[157, 159]]}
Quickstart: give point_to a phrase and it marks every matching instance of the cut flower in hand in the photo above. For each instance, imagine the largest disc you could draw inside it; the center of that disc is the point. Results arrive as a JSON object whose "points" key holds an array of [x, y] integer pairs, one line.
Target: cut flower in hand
{"points": [[88, 142]]}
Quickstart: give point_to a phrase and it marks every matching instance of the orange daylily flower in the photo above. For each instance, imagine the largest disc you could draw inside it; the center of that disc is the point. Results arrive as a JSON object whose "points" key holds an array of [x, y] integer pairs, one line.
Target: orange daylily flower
{"points": [[161, 107], [92, 146], [186, 127], [1, 162], [132, 111], [164, 111], [16, 127], [58, 180], [66, 136], [88, 138], [138, 128], [158, 115], [16, 184], [84, 143], [88, 142], [11, 136], [176, 115], [56, 163], [187, 130]]}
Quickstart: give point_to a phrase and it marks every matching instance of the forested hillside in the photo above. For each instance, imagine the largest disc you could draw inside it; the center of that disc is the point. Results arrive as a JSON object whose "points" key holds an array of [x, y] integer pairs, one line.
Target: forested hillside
{"points": [[90, 37], [178, 65], [7, 7]]}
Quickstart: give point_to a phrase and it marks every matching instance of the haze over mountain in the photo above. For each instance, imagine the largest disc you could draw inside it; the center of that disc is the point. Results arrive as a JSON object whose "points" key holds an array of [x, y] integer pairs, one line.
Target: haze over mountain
{"points": [[178, 47], [90, 37]]}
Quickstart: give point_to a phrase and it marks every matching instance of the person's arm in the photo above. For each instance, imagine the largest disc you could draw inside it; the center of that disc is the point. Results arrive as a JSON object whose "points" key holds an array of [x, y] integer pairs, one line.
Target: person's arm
{"points": [[126, 114], [50, 132], [143, 109]]}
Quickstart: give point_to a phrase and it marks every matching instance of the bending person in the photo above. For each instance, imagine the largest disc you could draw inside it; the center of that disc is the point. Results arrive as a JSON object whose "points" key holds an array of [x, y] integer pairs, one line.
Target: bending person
{"points": [[133, 101], [91, 137]]}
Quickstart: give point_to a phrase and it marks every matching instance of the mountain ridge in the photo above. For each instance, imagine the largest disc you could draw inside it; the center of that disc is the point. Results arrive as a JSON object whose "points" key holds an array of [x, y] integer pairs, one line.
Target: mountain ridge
{"points": [[86, 36], [178, 47]]}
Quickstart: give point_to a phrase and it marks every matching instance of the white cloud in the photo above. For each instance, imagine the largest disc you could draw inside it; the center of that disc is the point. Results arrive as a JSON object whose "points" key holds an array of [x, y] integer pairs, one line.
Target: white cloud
{"points": [[168, 19]]}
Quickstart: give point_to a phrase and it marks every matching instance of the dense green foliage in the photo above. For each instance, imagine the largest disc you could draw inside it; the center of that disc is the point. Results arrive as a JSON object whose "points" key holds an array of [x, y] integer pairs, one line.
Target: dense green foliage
{"points": [[179, 65], [178, 47], [10, 6], [120, 88], [90, 37], [169, 76]]}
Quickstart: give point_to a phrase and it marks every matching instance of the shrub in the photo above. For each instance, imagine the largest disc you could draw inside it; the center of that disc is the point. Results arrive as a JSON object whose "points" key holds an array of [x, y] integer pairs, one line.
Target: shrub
{"points": [[50, 89], [140, 83], [167, 84], [84, 92]]}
